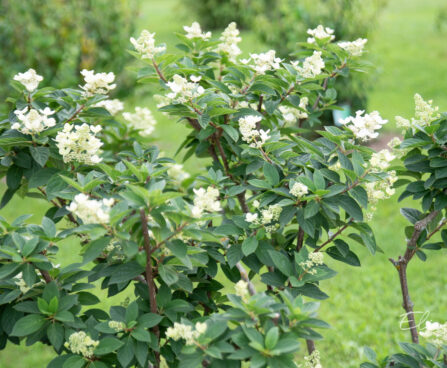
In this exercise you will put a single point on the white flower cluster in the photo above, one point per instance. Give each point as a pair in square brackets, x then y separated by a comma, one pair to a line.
[81, 343]
[250, 134]
[299, 190]
[312, 360]
[79, 143]
[435, 333]
[270, 214]
[379, 190]
[117, 326]
[91, 211]
[195, 31]
[205, 200]
[97, 83]
[291, 114]
[312, 65]
[177, 173]
[320, 33]
[354, 48]
[20, 282]
[145, 45]
[424, 114]
[241, 289]
[313, 259]
[364, 127]
[265, 61]
[142, 120]
[381, 160]
[182, 331]
[229, 40]
[182, 90]
[35, 121]
[112, 106]
[30, 79]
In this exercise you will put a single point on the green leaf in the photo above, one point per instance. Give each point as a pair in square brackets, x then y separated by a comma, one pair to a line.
[149, 320]
[28, 325]
[351, 207]
[271, 339]
[168, 274]
[281, 262]
[126, 272]
[125, 353]
[141, 334]
[74, 361]
[108, 345]
[40, 154]
[249, 245]
[271, 174]
[55, 333]
[232, 132]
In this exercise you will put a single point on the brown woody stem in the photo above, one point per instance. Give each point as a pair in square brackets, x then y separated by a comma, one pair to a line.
[149, 277]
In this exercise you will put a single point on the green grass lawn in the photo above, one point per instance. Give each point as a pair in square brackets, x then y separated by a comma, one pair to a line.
[364, 307]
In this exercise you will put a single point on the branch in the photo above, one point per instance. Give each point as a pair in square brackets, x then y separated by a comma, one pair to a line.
[160, 74]
[331, 238]
[299, 239]
[150, 277]
[46, 276]
[76, 113]
[401, 267]
[244, 276]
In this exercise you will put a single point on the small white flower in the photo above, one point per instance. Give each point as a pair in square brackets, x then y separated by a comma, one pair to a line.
[354, 48]
[435, 333]
[291, 114]
[320, 33]
[312, 361]
[117, 326]
[241, 289]
[381, 160]
[312, 65]
[182, 90]
[270, 214]
[78, 143]
[97, 83]
[265, 61]
[145, 45]
[186, 332]
[251, 217]
[112, 106]
[201, 327]
[205, 200]
[195, 31]
[364, 127]
[256, 203]
[229, 40]
[313, 259]
[299, 190]
[81, 343]
[33, 121]
[91, 211]
[195, 79]
[142, 120]
[176, 172]
[30, 79]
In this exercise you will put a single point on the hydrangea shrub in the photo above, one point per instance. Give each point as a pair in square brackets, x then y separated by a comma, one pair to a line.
[217, 268]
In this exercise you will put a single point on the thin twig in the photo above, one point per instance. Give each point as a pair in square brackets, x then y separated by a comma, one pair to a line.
[160, 74]
[332, 237]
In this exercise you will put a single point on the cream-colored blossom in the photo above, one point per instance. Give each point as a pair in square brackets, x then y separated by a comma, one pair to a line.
[117, 326]
[320, 33]
[364, 126]
[112, 106]
[195, 31]
[30, 79]
[250, 134]
[229, 40]
[91, 211]
[435, 333]
[265, 61]
[205, 200]
[312, 65]
[145, 45]
[81, 343]
[141, 120]
[241, 289]
[177, 172]
[182, 90]
[97, 83]
[312, 360]
[299, 190]
[33, 121]
[313, 259]
[186, 332]
[354, 48]
[78, 143]
[292, 114]
[381, 160]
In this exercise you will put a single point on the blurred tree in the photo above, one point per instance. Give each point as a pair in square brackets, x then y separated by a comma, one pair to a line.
[61, 37]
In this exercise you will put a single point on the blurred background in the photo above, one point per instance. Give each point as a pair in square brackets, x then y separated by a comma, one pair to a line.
[407, 53]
